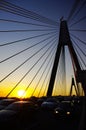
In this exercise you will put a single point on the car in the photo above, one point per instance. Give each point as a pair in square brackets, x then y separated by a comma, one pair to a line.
[16, 114]
[22, 108]
[5, 102]
[41, 100]
[49, 104]
[64, 109]
[8, 119]
[2, 107]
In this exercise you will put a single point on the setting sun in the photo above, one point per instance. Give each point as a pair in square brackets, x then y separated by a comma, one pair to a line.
[21, 93]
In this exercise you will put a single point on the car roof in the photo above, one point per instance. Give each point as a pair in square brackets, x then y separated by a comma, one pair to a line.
[6, 101]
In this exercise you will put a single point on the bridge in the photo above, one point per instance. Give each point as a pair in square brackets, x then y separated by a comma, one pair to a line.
[41, 57]
[46, 58]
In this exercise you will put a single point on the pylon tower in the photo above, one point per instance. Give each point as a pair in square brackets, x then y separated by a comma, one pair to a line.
[64, 40]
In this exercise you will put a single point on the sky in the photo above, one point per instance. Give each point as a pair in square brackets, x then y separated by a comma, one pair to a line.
[51, 9]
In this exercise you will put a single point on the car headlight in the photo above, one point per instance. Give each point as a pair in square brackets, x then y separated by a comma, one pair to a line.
[68, 113]
[56, 112]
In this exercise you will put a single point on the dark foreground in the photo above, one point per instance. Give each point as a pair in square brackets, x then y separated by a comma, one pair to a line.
[44, 117]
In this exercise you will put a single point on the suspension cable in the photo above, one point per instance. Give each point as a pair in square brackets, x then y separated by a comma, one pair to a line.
[25, 62]
[25, 49]
[20, 40]
[79, 48]
[78, 39]
[28, 71]
[43, 73]
[45, 88]
[25, 23]
[39, 69]
[20, 11]
[73, 9]
[33, 30]
[78, 30]
[81, 7]
[81, 19]
[80, 56]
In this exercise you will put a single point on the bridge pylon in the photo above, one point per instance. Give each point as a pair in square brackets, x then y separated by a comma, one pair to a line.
[75, 87]
[64, 40]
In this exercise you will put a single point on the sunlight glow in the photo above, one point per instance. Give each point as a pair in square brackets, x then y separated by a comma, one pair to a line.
[21, 93]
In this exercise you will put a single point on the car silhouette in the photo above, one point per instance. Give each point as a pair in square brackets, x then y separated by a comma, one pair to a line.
[16, 114]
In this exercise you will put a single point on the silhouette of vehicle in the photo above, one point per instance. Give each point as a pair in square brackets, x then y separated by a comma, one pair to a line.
[66, 109]
[5, 102]
[17, 112]
[49, 104]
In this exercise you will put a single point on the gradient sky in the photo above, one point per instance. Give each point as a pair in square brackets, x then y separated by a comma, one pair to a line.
[52, 9]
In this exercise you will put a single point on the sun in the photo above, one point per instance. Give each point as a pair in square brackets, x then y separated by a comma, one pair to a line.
[21, 93]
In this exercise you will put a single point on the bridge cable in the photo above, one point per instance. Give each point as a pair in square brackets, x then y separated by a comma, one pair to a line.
[79, 56]
[14, 9]
[25, 49]
[73, 10]
[43, 74]
[81, 7]
[23, 15]
[29, 70]
[78, 30]
[61, 72]
[5, 31]
[46, 74]
[28, 38]
[39, 69]
[79, 48]
[78, 39]
[25, 23]
[81, 19]
[24, 62]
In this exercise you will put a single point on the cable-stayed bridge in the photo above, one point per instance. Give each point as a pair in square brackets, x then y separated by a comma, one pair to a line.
[41, 56]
